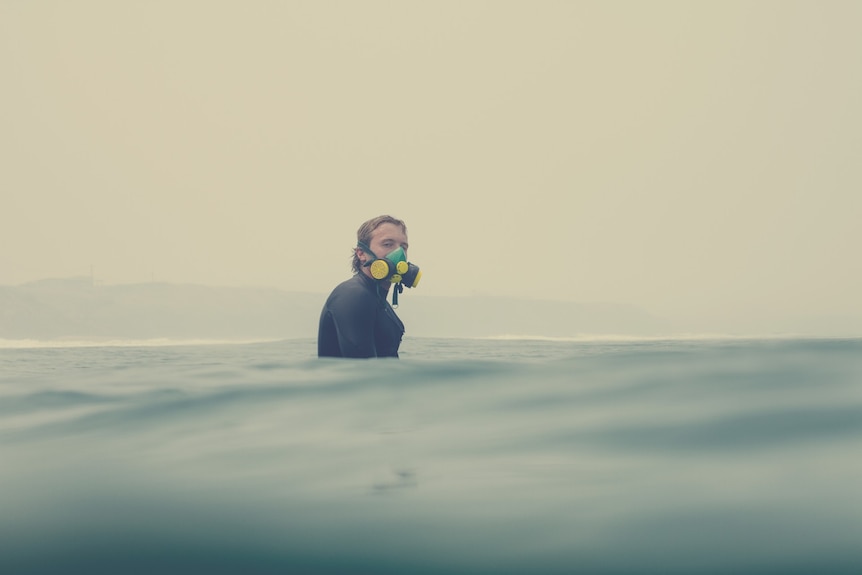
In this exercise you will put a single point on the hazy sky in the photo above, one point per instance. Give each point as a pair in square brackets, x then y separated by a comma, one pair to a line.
[686, 157]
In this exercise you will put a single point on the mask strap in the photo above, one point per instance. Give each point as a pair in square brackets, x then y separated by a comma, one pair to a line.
[367, 249]
[396, 289]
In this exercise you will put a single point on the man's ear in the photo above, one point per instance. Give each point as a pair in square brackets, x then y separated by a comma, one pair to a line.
[363, 257]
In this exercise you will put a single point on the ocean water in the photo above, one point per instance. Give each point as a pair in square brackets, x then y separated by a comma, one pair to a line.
[465, 456]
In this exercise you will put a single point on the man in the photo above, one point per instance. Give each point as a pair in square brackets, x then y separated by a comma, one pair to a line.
[356, 320]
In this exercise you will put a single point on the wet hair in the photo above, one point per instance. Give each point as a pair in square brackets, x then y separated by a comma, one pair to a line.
[363, 234]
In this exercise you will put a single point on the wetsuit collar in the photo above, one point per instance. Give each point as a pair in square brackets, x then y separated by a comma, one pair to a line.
[374, 285]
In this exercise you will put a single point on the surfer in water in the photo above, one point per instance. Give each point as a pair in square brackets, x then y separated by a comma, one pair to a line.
[356, 320]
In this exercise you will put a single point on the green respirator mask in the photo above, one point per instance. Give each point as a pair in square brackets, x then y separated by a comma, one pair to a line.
[393, 267]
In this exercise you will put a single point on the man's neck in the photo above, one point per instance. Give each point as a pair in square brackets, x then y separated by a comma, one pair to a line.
[382, 285]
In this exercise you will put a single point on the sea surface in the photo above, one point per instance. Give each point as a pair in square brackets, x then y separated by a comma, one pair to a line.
[503, 456]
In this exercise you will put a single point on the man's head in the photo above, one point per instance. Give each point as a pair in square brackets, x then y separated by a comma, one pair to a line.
[382, 234]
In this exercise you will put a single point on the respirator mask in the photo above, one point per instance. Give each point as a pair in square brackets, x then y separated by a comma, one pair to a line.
[393, 267]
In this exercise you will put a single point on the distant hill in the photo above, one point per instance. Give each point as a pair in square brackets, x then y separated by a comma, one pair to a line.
[74, 308]
[65, 308]
[484, 316]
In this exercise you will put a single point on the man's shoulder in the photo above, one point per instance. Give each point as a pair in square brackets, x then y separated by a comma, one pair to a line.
[350, 302]
[352, 283]
[355, 287]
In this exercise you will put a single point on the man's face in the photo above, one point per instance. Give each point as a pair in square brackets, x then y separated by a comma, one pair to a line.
[385, 238]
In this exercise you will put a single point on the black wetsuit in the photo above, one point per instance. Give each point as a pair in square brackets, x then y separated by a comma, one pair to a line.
[357, 321]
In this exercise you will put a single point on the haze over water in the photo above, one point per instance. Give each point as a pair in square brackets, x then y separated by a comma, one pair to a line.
[696, 160]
